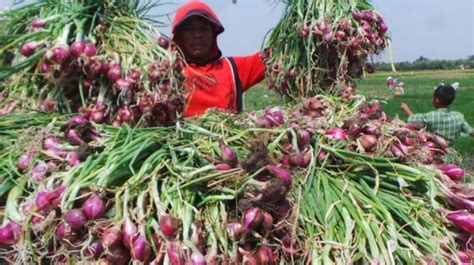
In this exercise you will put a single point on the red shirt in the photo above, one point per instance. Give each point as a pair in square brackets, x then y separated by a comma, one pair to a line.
[213, 86]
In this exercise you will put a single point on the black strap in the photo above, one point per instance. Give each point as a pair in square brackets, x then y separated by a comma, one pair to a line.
[238, 84]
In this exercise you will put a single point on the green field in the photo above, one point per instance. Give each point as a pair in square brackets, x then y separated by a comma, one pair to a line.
[419, 92]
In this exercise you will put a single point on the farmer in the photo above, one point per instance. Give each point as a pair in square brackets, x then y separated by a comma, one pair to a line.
[449, 124]
[211, 80]
[390, 82]
[400, 89]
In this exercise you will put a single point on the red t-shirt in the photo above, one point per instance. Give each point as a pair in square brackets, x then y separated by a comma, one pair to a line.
[213, 86]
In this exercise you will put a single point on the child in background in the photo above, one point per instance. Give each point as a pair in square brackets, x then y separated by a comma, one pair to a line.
[390, 82]
[400, 89]
[447, 123]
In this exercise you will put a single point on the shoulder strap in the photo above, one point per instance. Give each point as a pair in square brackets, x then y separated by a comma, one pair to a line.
[237, 82]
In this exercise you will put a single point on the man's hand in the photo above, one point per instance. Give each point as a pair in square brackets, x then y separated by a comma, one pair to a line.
[406, 109]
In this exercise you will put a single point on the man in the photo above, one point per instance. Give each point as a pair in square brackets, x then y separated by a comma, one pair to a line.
[443, 121]
[211, 81]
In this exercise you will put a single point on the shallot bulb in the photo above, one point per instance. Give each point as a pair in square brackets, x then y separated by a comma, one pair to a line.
[59, 54]
[77, 48]
[114, 73]
[197, 258]
[336, 133]
[303, 138]
[275, 114]
[76, 219]
[10, 234]
[235, 230]
[38, 23]
[140, 249]
[48, 200]
[175, 253]
[90, 50]
[382, 27]
[94, 250]
[25, 160]
[28, 49]
[462, 219]
[112, 237]
[453, 171]
[280, 173]
[252, 218]
[163, 42]
[130, 232]
[228, 155]
[93, 207]
[265, 256]
[169, 225]
[39, 171]
[368, 141]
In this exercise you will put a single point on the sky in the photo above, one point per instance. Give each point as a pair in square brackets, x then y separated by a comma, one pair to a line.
[435, 29]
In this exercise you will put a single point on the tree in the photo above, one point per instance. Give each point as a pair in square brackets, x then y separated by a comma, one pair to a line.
[421, 59]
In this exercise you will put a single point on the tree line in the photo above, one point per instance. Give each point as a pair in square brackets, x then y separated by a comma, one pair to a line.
[423, 63]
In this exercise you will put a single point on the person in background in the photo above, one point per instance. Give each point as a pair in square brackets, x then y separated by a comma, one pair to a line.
[447, 123]
[390, 81]
[400, 89]
[455, 85]
[211, 81]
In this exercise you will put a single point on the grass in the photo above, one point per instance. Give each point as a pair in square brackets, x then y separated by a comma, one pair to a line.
[259, 97]
[418, 95]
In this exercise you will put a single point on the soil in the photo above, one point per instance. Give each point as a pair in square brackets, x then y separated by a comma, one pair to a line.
[257, 158]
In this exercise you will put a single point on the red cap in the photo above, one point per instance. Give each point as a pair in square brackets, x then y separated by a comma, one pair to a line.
[196, 8]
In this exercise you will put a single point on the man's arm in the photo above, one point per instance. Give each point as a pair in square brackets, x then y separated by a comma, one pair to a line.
[251, 69]
[466, 128]
[419, 118]
[406, 109]
[472, 133]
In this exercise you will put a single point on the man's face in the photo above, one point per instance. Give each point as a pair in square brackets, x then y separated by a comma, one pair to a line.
[196, 38]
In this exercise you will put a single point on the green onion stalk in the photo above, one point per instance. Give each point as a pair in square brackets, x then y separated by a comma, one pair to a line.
[366, 214]
[321, 47]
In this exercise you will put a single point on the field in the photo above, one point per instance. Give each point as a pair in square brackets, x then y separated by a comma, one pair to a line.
[419, 92]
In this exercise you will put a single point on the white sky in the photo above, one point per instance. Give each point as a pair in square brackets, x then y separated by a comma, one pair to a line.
[436, 29]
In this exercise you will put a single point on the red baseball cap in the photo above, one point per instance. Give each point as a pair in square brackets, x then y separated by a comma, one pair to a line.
[196, 8]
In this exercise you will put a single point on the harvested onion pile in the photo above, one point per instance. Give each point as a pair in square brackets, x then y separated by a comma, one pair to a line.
[102, 60]
[325, 46]
[332, 180]
[226, 188]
